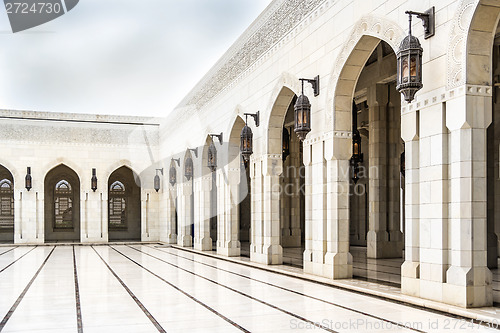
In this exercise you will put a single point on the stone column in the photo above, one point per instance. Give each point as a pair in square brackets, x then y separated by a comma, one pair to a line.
[383, 239]
[338, 259]
[468, 280]
[434, 200]
[265, 247]
[327, 206]
[228, 219]
[184, 191]
[202, 188]
[291, 233]
[394, 151]
[170, 234]
[410, 270]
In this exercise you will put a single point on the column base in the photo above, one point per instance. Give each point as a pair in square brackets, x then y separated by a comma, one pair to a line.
[379, 246]
[170, 239]
[28, 240]
[203, 244]
[338, 265]
[229, 249]
[185, 241]
[271, 254]
[410, 278]
[329, 265]
[468, 287]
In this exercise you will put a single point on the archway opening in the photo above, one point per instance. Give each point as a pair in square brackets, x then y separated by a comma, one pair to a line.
[493, 172]
[6, 206]
[292, 196]
[124, 205]
[376, 212]
[62, 205]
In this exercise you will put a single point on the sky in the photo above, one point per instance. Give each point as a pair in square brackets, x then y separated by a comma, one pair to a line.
[120, 57]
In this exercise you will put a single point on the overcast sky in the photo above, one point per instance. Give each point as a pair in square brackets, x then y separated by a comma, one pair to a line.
[118, 56]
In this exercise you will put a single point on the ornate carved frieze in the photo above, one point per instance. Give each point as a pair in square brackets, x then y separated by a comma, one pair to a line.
[457, 44]
[259, 39]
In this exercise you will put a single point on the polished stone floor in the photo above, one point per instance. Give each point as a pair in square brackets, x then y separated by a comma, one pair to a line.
[153, 288]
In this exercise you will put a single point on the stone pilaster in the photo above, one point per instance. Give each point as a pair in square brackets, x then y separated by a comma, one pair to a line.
[228, 181]
[410, 270]
[468, 280]
[265, 247]
[434, 200]
[384, 240]
[184, 191]
[327, 192]
[202, 188]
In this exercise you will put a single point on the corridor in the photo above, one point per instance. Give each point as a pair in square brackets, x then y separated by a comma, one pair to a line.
[155, 288]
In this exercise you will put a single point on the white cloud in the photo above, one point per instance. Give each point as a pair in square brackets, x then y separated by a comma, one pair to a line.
[118, 56]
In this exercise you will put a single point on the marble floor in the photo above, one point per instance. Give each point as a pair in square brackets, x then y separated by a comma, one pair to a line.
[152, 288]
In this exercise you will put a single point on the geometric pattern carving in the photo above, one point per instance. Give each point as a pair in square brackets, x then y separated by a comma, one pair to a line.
[374, 26]
[261, 37]
[457, 44]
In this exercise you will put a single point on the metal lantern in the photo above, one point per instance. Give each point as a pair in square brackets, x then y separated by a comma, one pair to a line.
[157, 181]
[188, 168]
[302, 116]
[246, 142]
[285, 149]
[212, 157]
[172, 174]
[28, 180]
[303, 109]
[357, 155]
[409, 57]
[246, 137]
[93, 180]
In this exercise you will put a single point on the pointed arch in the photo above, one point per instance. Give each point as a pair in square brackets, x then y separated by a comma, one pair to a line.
[469, 50]
[62, 204]
[124, 205]
[364, 37]
[6, 205]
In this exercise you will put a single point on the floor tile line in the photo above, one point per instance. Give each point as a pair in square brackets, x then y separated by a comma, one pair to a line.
[23, 293]
[136, 300]
[12, 263]
[186, 294]
[315, 324]
[77, 296]
[9, 250]
[286, 289]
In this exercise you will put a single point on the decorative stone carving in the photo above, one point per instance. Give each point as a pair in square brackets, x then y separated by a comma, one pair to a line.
[260, 38]
[374, 26]
[456, 55]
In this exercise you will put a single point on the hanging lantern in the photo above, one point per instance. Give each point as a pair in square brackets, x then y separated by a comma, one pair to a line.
[212, 157]
[156, 180]
[246, 142]
[188, 168]
[409, 57]
[28, 180]
[93, 180]
[303, 109]
[302, 116]
[172, 174]
[246, 137]
[285, 150]
[357, 155]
